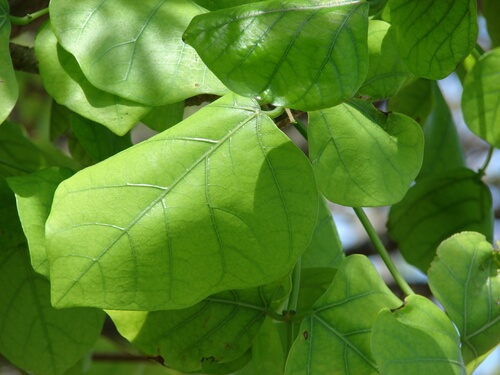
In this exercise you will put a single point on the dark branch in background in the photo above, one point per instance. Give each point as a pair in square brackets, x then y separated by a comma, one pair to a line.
[118, 357]
[23, 58]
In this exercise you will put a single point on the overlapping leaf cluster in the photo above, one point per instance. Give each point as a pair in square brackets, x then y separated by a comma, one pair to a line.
[211, 245]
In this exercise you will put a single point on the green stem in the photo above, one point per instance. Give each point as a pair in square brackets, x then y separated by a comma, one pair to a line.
[300, 126]
[294, 295]
[273, 113]
[482, 170]
[29, 17]
[379, 246]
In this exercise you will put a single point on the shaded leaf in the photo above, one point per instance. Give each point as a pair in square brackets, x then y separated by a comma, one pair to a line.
[491, 10]
[59, 120]
[222, 200]
[272, 60]
[11, 233]
[325, 248]
[416, 339]
[164, 117]
[464, 277]
[363, 157]
[331, 341]
[436, 208]
[34, 194]
[481, 96]
[443, 150]
[221, 4]
[34, 335]
[134, 49]
[415, 100]
[9, 89]
[387, 73]
[314, 282]
[218, 330]
[64, 81]
[434, 36]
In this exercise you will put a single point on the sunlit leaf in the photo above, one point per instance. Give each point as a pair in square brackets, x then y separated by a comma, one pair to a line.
[281, 51]
[223, 200]
[64, 81]
[34, 335]
[436, 208]
[387, 73]
[464, 277]
[325, 248]
[415, 100]
[481, 97]
[434, 36]
[335, 337]
[34, 195]
[416, 339]
[363, 157]
[443, 150]
[9, 89]
[218, 330]
[134, 48]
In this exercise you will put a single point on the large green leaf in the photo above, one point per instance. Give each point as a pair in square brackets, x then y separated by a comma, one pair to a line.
[283, 51]
[34, 335]
[34, 194]
[134, 48]
[335, 337]
[223, 200]
[481, 97]
[218, 330]
[363, 157]
[434, 36]
[9, 89]
[436, 208]
[64, 81]
[464, 277]
[416, 339]
[443, 149]
[325, 248]
[387, 73]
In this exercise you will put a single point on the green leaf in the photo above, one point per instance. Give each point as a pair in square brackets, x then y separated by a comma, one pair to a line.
[64, 81]
[325, 248]
[363, 157]
[59, 120]
[34, 194]
[464, 277]
[416, 339]
[164, 117]
[9, 89]
[491, 10]
[221, 4]
[443, 150]
[415, 100]
[134, 48]
[11, 232]
[218, 330]
[223, 200]
[97, 141]
[34, 335]
[335, 337]
[434, 36]
[481, 96]
[436, 208]
[285, 55]
[387, 73]
[314, 282]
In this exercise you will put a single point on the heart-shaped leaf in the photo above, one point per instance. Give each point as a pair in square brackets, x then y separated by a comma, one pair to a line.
[436, 208]
[134, 48]
[363, 157]
[416, 339]
[481, 97]
[282, 51]
[464, 277]
[223, 200]
[218, 330]
[434, 36]
[9, 89]
[64, 81]
[336, 332]
[34, 335]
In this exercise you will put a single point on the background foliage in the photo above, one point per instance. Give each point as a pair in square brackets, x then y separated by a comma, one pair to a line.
[210, 247]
